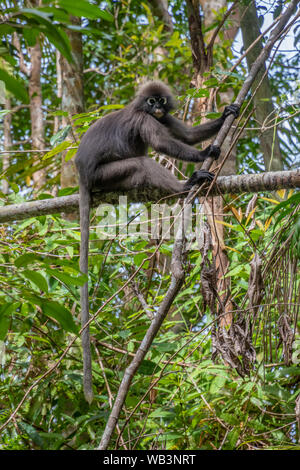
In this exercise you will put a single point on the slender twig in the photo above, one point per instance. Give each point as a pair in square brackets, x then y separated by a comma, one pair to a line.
[220, 25]
[142, 300]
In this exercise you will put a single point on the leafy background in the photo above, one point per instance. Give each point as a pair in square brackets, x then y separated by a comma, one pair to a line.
[180, 398]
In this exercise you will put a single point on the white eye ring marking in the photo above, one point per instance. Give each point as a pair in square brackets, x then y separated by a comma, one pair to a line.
[163, 100]
[151, 101]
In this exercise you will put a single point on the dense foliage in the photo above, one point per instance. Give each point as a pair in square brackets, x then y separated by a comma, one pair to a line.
[181, 398]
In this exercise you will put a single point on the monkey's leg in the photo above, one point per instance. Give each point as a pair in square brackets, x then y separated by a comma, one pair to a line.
[139, 172]
[144, 172]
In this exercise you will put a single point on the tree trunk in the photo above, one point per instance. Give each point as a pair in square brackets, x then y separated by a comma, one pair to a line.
[160, 9]
[7, 144]
[36, 113]
[58, 88]
[72, 96]
[262, 97]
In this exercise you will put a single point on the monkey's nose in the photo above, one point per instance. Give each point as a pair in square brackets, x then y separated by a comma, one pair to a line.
[158, 113]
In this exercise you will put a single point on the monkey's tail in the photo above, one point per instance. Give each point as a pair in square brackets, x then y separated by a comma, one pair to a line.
[84, 291]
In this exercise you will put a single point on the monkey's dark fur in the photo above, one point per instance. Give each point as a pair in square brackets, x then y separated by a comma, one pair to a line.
[112, 157]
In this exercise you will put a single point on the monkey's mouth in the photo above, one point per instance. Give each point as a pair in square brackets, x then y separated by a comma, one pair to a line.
[158, 113]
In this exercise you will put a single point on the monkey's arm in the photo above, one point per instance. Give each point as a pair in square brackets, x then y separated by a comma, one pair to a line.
[159, 138]
[193, 135]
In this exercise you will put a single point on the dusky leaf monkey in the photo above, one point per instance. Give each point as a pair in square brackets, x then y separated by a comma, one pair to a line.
[112, 157]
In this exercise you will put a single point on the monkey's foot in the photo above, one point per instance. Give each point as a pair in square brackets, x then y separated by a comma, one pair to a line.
[199, 177]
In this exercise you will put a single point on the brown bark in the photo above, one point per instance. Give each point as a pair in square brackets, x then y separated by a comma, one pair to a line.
[35, 95]
[7, 144]
[160, 9]
[58, 88]
[36, 113]
[262, 96]
[202, 58]
[72, 96]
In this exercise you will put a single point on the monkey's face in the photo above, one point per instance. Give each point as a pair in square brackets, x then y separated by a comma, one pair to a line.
[157, 106]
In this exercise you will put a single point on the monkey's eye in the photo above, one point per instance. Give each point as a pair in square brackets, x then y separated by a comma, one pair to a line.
[151, 101]
[163, 100]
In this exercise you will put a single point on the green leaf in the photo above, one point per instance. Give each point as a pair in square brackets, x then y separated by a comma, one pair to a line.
[257, 402]
[213, 115]
[229, 418]
[162, 413]
[202, 92]
[54, 33]
[211, 82]
[232, 438]
[70, 154]
[169, 436]
[84, 8]
[5, 313]
[174, 41]
[25, 224]
[294, 199]
[4, 324]
[148, 367]
[36, 13]
[277, 10]
[67, 279]
[6, 29]
[237, 270]
[60, 113]
[139, 258]
[30, 35]
[60, 148]
[67, 192]
[56, 438]
[37, 279]
[60, 136]
[32, 433]
[3, 112]
[61, 314]
[124, 334]
[60, 40]
[217, 383]
[110, 106]
[165, 347]
[26, 259]
[16, 87]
